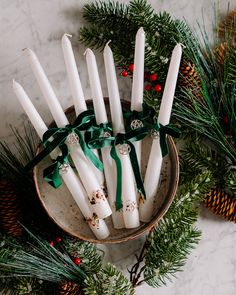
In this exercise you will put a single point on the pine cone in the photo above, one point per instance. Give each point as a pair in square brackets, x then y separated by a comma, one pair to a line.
[221, 203]
[10, 209]
[227, 28]
[69, 288]
[220, 52]
[189, 79]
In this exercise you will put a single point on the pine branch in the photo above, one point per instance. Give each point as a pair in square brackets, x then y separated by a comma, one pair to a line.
[87, 252]
[100, 12]
[108, 281]
[197, 157]
[37, 259]
[175, 236]
[13, 159]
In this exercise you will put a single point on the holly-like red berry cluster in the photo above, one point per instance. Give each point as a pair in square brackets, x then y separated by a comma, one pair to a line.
[56, 243]
[150, 79]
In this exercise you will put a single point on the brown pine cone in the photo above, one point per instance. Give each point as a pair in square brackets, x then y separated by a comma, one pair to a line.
[189, 79]
[10, 208]
[221, 203]
[69, 288]
[220, 52]
[227, 27]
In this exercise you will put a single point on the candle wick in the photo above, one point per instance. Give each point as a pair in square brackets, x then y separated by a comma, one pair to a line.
[182, 45]
[108, 42]
[68, 35]
[87, 51]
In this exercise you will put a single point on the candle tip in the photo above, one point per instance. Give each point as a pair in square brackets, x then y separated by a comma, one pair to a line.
[88, 51]
[15, 84]
[107, 47]
[140, 31]
[29, 51]
[178, 48]
[65, 36]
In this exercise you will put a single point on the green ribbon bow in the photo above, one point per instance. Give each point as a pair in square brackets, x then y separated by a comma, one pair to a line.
[149, 120]
[163, 131]
[95, 139]
[146, 115]
[83, 122]
[52, 173]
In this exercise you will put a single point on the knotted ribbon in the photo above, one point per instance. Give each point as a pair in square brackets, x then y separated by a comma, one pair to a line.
[95, 139]
[83, 122]
[149, 120]
[52, 173]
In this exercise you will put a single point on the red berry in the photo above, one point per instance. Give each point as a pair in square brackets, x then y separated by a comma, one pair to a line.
[77, 260]
[51, 243]
[124, 73]
[58, 239]
[225, 120]
[158, 88]
[148, 87]
[153, 77]
[131, 67]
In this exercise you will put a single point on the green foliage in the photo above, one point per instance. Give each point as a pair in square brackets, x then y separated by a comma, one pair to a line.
[108, 281]
[197, 157]
[14, 157]
[212, 112]
[161, 32]
[87, 252]
[175, 236]
[36, 258]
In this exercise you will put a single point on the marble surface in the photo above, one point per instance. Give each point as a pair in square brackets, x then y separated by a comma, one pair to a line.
[39, 24]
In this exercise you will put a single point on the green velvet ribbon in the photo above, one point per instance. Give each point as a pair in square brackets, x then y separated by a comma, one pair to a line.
[52, 173]
[95, 139]
[149, 120]
[163, 131]
[83, 122]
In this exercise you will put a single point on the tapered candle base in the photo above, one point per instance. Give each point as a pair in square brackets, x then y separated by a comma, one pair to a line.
[98, 227]
[117, 219]
[146, 209]
[131, 214]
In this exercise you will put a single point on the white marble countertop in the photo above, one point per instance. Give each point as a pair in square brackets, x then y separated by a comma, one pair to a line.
[40, 24]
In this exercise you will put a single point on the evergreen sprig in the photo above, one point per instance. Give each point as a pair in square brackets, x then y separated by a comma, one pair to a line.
[37, 258]
[87, 252]
[175, 236]
[212, 112]
[197, 157]
[108, 281]
[14, 157]
[161, 32]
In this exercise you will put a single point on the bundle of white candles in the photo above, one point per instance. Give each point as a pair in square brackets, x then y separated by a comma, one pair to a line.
[86, 188]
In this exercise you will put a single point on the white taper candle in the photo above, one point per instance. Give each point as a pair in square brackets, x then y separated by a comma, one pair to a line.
[71, 180]
[153, 171]
[89, 180]
[118, 126]
[130, 210]
[101, 117]
[138, 81]
[77, 91]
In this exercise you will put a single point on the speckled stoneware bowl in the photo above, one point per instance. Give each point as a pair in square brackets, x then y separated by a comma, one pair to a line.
[61, 207]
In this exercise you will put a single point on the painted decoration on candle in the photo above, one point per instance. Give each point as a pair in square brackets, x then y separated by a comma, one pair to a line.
[72, 138]
[64, 168]
[131, 206]
[98, 197]
[93, 221]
